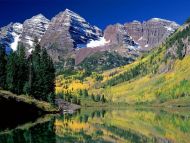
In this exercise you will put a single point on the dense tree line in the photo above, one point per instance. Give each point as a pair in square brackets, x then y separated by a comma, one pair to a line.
[3, 62]
[69, 97]
[187, 21]
[96, 98]
[177, 39]
[31, 75]
[104, 61]
[140, 69]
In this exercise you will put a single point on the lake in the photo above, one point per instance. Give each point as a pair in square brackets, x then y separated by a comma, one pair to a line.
[104, 126]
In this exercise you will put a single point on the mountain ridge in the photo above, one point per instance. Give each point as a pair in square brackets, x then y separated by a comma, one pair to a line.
[159, 78]
[68, 35]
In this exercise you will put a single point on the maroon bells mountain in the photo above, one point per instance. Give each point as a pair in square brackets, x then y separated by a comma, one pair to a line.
[151, 33]
[68, 35]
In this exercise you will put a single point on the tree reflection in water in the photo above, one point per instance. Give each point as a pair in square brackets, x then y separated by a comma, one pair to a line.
[104, 125]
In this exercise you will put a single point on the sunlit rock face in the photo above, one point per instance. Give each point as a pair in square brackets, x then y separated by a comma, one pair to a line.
[117, 34]
[34, 28]
[10, 35]
[68, 35]
[151, 33]
[68, 31]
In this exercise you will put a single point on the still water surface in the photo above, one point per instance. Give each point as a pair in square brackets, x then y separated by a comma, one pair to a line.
[104, 126]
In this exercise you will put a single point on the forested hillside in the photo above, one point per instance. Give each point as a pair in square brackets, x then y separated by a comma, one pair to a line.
[32, 75]
[160, 76]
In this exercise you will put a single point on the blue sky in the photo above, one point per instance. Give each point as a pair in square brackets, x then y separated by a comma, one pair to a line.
[97, 12]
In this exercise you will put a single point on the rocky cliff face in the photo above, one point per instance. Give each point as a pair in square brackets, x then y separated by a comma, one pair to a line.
[34, 28]
[117, 35]
[115, 40]
[68, 35]
[10, 35]
[150, 33]
[68, 31]
[178, 46]
[120, 41]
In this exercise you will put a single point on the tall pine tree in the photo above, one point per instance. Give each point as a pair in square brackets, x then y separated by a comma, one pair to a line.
[41, 74]
[22, 72]
[3, 62]
[48, 76]
[34, 75]
[12, 67]
[35, 81]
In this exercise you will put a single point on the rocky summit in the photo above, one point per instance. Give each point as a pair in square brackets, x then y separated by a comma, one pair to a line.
[68, 31]
[34, 28]
[9, 35]
[151, 33]
[68, 35]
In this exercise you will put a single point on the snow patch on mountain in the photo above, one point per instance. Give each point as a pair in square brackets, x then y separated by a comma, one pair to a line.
[30, 41]
[97, 43]
[159, 19]
[169, 28]
[141, 38]
[16, 38]
[135, 48]
[34, 27]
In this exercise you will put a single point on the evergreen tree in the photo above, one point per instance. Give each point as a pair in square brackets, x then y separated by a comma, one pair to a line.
[85, 93]
[93, 97]
[103, 99]
[80, 92]
[48, 74]
[3, 62]
[11, 76]
[35, 83]
[22, 72]
[41, 74]
[34, 76]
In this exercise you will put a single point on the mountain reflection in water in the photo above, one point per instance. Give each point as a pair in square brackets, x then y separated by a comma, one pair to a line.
[105, 125]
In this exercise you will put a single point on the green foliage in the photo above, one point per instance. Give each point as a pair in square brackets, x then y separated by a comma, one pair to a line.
[140, 69]
[177, 38]
[3, 62]
[85, 93]
[41, 74]
[33, 76]
[104, 61]
[12, 66]
[97, 76]
[187, 21]
[69, 97]
[98, 98]
[180, 48]
[65, 66]
[22, 69]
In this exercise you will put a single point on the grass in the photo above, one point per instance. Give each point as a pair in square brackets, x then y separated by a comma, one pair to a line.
[44, 106]
[173, 85]
[155, 88]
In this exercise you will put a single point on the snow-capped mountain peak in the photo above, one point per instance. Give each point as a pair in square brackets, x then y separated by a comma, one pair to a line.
[17, 27]
[151, 33]
[73, 14]
[69, 30]
[34, 27]
[10, 35]
[164, 20]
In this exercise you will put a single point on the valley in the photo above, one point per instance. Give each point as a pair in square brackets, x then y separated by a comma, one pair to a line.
[67, 80]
